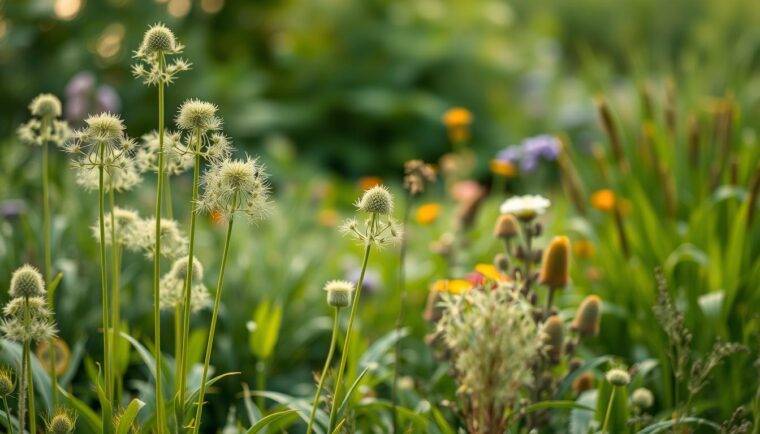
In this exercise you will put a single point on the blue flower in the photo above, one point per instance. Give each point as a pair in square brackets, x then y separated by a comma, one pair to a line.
[531, 151]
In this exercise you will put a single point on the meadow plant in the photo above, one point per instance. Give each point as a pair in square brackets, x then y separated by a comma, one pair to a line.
[62, 422]
[7, 387]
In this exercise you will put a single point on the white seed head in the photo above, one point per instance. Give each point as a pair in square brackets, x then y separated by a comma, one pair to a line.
[173, 241]
[45, 105]
[179, 269]
[119, 176]
[198, 116]
[236, 186]
[618, 377]
[158, 39]
[339, 293]
[104, 128]
[377, 200]
[172, 286]
[27, 282]
[642, 398]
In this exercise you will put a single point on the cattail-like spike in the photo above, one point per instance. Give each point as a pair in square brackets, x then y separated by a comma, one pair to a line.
[752, 195]
[588, 316]
[571, 182]
[610, 128]
[694, 139]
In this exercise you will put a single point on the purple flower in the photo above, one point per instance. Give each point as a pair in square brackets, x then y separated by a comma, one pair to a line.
[83, 97]
[531, 151]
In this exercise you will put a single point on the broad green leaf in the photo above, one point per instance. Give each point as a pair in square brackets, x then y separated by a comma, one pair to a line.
[129, 415]
[266, 420]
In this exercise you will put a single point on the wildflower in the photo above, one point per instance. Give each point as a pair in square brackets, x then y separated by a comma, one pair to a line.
[554, 333]
[531, 151]
[588, 316]
[618, 377]
[339, 293]
[44, 126]
[427, 213]
[175, 161]
[457, 121]
[584, 249]
[127, 230]
[198, 116]
[27, 282]
[555, 270]
[642, 398]
[62, 355]
[583, 382]
[63, 422]
[173, 241]
[236, 186]
[101, 143]
[172, 286]
[376, 200]
[490, 272]
[453, 286]
[603, 200]
[416, 174]
[378, 229]
[7, 385]
[123, 176]
[506, 227]
[367, 182]
[158, 42]
[502, 168]
[525, 208]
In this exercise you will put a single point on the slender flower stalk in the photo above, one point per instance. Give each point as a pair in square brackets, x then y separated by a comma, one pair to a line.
[7, 387]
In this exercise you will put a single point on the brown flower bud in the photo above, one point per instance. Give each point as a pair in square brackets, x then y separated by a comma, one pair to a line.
[506, 226]
[554, 334]
[588, 316]
[555, 269]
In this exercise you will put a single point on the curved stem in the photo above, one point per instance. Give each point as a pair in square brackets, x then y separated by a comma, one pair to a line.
[182, 373]
[212, 330]
[160, 421]
[328, 361]
[8, 415]
[103, 273]
[347, 341]
[609, 410]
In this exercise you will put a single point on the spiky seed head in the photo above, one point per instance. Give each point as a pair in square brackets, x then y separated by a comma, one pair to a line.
[7, 385]
[27, 282]
[618, 377]
[554, 335]
[588, 316]
[506, 227]
[62, 423]
[104, 127]
[45, 105]
[642, 398]
[339, 293]
[555, 270]
[583, 382]
[179, 269]
[197, 115]
[158, 38]
[501, 262]
[377, 200]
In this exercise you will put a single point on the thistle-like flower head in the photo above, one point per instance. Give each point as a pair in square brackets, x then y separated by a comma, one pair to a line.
[588, 316]
[173, 241]
[27, 282]
[376, 200]
[179, 269]
[642, 398]
[158, 40]
[198, 116]
[158, 43]
[121, 175]
[62, 422]
[104, 128]
[102, 142]
[172, 286]
[44, 126]
[7, 384]
[127, 230]
[45, 105]
[237, 186]
[339, 293]
[618, 377]
[175, 161]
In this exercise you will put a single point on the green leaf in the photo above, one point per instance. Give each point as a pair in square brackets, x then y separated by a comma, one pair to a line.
[129, 415]
[266, 420]
[339, 426]
[381, 346]
[194, 393]
[666, 424]
[350, 390]
[563, 405]
[10, 354]
[441, 421]
[54, 285]
[268, 319]
[303, 408]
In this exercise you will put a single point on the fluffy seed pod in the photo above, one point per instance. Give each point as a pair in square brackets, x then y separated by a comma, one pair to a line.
[45, 105]
[618, 377]
[506, 227]
[62, 423]
[104, 127]
[588, 316]
[7, 386]
[179, 269]
[554, 334]
[27, 282]
[642, 398]
[197, 115]
[157, 39]
[583, 382]
[339, 293]
[376, 200]
[555, 271]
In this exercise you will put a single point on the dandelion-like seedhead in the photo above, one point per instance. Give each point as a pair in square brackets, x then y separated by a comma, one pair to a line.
[44, 126]
[127, 229]
[62, 422]
[102, 142]
[618, 377]
[173, 241]
[198, 117]
[236, 186]
[339, 293]
[7, 384]
[642, 398]
[376, 200]
[27, 282]
[175, 160]
[172, 286]
[120, 176]
[158, 42]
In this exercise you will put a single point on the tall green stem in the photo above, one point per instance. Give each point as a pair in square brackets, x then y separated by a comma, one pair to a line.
[7, 415]
[609, 410]
[27, 362]
[160, 420]
[46, 220]
[354, 308]
[103, 274]
[212, 330]
[115, 290]
[328, 361]
[400, 320]
[182, 373]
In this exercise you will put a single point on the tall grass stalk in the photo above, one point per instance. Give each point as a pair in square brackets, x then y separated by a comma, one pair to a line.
[7, 414]
[323, 375]
[26, 369]
[402, 302]
[103, 277]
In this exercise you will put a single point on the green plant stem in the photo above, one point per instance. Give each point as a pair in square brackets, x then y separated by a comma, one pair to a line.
[160, 420]
[103, 273]
[212, 330]
[46, 221]
[400, 319]
[27, 362]
[182, 373]
[609, 410]
[115, 290]
[8, 415]
[169, 207]
[261, 383]
[328, 361]
[354, 308]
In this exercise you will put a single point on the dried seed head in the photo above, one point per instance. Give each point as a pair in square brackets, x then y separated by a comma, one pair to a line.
[583, 382]
[104, 127]
[7, 385]
[232, 186]
[555, 269]
[588, 316]
[199, 116]
[179, 269]
[63, 422]
[45, 105]
[27, 282]
[554, 335]
[618, 377]
[339, 293]
[506, 227]
[642, 398]
[376, 200]
[158, 39]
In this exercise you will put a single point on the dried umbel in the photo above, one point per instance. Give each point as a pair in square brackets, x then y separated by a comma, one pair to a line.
[555, 269]
[152, 66]
[506, 227]
[339, 293]
[173, 241]
[27, 282]
[588, 316]
[101, 142]
[127, 230]
[121, 176]
[175, 161]
[198, 116]
[7, 385]
[62, 422]
[416, 174]
[233, 186]
[44, 126]
[618, 377]
[379, 229]
[27, 319]
[173, 284]
[554, 335]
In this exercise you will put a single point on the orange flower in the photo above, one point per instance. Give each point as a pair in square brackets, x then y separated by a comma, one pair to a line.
[328, 217]
[503, 168]
[453, 286]
[427, 213]
[603, 200]
[457, 117]
[583, 249]
[490, 272]
[367, 182]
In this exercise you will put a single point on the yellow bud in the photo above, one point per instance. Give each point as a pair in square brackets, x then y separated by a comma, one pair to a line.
[555, 271]
[506, 226]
